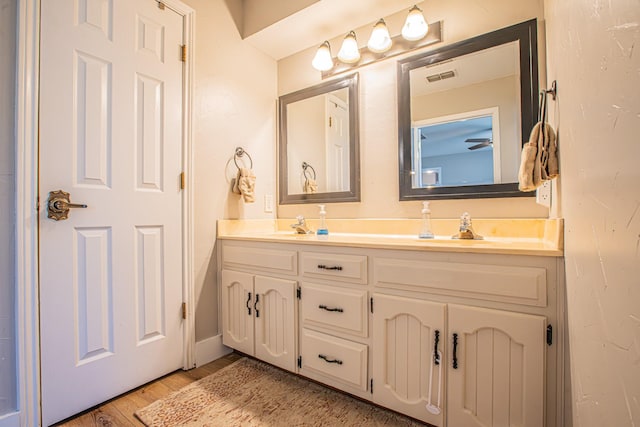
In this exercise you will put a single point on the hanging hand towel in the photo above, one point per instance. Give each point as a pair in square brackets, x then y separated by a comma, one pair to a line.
[527, 180]
[310, 186]
[246, 182]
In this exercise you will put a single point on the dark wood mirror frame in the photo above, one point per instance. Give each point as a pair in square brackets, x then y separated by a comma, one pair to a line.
[526, 34]
[353, 194]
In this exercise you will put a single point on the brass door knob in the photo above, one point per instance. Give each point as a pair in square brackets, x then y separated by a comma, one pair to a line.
[59, 204]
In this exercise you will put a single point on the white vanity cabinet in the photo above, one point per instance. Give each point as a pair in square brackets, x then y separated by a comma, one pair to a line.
[379, 323]
[258, 310]
[258, 317]
[494, 363]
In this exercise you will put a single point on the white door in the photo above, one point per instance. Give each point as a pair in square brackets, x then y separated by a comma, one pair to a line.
[337, 142]
[111, 136]
[406, 335]
[275, 321]
[498, 379]
[237, 310]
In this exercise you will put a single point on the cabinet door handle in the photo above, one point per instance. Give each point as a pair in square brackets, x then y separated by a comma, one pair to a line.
[326, 359]
[455, 351]
[324, 307]
[255, 305]
[436, 340]
[247, 305]
[326, 267]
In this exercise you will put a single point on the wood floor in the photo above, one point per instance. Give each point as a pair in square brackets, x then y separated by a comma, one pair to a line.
[119, 411]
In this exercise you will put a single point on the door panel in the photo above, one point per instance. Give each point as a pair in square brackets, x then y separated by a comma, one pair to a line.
[111, 136]
[237, 310]
[403, 361]
[275, 321]
[500, 376]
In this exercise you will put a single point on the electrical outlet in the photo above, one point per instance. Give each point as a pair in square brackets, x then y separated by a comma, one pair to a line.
[268, 203]
[543, 194]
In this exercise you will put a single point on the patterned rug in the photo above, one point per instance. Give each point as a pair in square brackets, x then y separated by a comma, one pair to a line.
[250, 393]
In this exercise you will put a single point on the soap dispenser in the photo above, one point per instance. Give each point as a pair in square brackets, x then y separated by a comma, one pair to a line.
[323, 231]
[425, 231]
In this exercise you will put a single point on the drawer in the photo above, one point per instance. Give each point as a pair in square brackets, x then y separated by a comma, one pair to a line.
[347, 268]
[341, 360]
[502, 283]
[334, 308]
[278, 260]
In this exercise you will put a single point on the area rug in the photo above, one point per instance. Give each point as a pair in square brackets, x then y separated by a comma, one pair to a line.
[249, 393]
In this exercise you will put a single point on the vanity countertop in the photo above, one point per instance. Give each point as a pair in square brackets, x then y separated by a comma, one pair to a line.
[538, 237]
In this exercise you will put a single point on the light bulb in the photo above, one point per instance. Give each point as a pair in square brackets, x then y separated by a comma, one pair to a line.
[349, 52]
[380, 41]
[415, 27]
[323, 60]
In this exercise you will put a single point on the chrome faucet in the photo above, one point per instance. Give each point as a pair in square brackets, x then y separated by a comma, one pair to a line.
[301, 226]
[466, 229]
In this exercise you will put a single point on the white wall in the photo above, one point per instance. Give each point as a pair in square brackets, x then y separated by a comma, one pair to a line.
[378, 113]
[235, 105]
[7, 206]
[594, 55]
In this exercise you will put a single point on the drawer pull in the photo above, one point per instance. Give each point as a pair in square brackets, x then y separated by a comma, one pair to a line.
[248, 307]
[326, 359]
[325, 267]
[455, 351]
[324, 307]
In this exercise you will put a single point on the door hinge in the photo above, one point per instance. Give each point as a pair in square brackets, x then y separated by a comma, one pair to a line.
[184, 310]
[549, 334]
[330, 121]
[300, 362]
[298, 292]
[184, 53]
[161, 5]
[182, 184]
[371, 386]
[371, 304]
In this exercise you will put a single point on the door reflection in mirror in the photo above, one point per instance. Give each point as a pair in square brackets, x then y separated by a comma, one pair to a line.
[457, 150]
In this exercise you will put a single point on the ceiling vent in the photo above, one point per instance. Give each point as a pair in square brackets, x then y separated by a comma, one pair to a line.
[441, 76]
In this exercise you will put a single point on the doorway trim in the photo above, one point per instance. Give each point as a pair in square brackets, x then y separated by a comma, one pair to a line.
[27, 203]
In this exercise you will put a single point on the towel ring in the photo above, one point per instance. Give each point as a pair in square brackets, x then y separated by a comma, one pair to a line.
[306, 166]
[239, 153]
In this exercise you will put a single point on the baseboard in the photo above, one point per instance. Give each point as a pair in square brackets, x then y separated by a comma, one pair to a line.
[209, 350]
[10, 420]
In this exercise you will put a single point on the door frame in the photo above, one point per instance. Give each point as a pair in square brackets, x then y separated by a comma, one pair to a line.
[27, 203]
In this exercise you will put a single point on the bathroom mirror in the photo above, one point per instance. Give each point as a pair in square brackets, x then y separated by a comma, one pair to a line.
[318, 150]
[464, 112]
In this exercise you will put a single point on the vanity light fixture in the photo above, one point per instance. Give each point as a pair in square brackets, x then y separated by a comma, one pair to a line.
[349, 51]
[415, 34]
[323, 60]
[380, 40]
[415, 27]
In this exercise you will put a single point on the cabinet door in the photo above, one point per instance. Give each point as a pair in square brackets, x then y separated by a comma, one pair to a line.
[237, 310]
[499, 378]
[275, 321]
[403, 356]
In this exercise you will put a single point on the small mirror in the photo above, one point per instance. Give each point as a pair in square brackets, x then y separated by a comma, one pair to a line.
[319, 156]
[464, 112]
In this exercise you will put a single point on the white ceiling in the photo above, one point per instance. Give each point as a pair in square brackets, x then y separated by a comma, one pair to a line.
[321, 21]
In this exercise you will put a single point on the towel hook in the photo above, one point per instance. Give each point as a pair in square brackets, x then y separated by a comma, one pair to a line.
[239, 153]
[306, 166]
[553, 91]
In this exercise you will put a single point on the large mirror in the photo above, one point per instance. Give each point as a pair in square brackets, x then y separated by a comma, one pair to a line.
[464, 112]
[318, 151]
